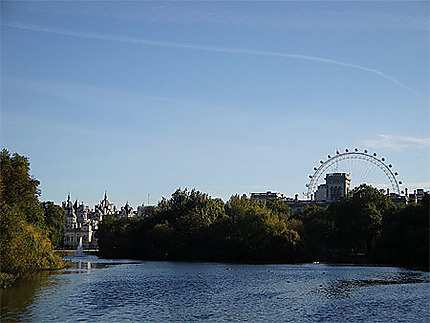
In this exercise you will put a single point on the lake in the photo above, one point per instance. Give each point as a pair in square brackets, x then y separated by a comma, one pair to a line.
[100, 290]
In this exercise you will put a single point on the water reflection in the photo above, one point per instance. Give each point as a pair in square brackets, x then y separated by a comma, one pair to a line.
[80, 267]
[84, 264]
[101, 290]
[16, 299]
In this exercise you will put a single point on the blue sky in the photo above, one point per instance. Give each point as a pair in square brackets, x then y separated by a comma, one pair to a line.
[138, 98]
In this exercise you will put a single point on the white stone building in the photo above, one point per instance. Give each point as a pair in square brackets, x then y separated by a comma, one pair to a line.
[337, 185]
[81, 221]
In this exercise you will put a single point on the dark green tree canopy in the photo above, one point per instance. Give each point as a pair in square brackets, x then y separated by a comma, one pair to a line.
[18, 189]
[55, 220]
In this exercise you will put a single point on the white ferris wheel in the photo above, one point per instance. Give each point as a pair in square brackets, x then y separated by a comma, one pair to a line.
[363, 168]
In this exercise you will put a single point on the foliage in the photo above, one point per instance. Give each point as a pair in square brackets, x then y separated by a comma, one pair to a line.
[18, 189]
[278, 207]
[315, 228]
[25, 246]
[6, 279]
[358, 220]
[405, 236]
[257, 233]
[55, 220]
[193, 226]
[367, 225]
[116, 237]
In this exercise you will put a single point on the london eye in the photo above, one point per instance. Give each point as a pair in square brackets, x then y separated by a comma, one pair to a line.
[363, 168]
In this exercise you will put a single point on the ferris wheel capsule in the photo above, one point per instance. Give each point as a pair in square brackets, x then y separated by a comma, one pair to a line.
[315, 168]
[365, 151]
[400, 182]
[356, 149]
[374, 154]
[383, 159]
[328, 156]
[346, 150]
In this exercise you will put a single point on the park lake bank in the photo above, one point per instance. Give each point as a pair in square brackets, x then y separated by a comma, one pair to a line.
[95, 289]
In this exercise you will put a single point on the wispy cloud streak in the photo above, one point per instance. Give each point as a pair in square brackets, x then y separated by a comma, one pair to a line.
[397, 142]
[240, 51]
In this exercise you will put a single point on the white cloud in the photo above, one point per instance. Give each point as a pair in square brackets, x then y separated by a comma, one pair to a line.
[397, 142]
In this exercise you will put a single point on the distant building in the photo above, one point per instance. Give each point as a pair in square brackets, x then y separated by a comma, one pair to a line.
[104, 208]
[268, 196]
[141, 210]
[82, 222]
[321, 193]
[420, 194]
[415, 197]
[79, 224]
[126, 211]
[145, 211]
[337, 185]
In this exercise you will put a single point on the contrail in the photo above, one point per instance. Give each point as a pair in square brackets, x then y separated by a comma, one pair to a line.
[241, 51]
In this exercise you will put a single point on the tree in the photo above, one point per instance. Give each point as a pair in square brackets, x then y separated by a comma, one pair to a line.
[279, 208]
[315, 231]
[257, 233]
[405, 236]
[55, 220]
[18, 189]
[357, 221]
[24, 243]
[193, 226]
[118, 238]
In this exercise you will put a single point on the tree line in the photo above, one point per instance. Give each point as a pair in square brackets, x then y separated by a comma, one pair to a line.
[364, 228]
[30, 229]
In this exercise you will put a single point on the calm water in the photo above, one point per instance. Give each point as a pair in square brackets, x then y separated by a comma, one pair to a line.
[111, 291]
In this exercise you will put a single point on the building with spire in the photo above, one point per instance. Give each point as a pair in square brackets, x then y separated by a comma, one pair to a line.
[82, 222]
